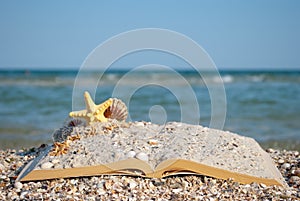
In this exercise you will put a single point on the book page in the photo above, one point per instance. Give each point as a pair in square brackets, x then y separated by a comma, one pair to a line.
[104, 144]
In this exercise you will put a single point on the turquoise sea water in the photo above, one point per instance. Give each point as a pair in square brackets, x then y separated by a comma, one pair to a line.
[262, 105]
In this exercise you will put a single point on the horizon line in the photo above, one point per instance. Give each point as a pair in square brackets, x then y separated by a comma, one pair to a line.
[120, 70]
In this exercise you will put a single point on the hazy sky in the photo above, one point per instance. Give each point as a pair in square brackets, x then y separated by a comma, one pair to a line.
[236, 34]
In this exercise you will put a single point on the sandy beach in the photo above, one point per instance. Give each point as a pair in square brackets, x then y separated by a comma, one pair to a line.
[137, 188]
[183, 187]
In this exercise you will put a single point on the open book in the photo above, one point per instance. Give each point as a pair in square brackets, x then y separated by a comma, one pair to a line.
[151, 150]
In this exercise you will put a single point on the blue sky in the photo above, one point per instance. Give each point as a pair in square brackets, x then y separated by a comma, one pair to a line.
[236, 34]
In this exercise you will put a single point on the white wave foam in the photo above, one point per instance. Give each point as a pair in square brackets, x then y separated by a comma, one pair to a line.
[257, 78]
[227, 78]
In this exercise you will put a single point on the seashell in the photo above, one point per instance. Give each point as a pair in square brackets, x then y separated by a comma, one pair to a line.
[141, 124]
[118, 187]
[62, 134]
[108, 185]
[297, 173]
[55, 161]
[131, 154]
[176, 190]
[117, 110]
[47, 165]
[153, 142]
[142, 156]
[132, 184]
[286, 166]
[18, 185]
[280, 161]
[73, 122]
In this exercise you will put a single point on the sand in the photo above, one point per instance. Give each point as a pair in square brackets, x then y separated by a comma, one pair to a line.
[105, 143]
[137, 188]
[180, 187]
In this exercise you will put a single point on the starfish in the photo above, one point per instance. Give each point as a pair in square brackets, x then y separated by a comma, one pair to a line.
[92, 113]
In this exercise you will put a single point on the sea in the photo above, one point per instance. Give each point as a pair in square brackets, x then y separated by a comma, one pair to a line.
[264, 105]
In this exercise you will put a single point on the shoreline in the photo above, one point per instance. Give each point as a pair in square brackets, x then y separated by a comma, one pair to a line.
[174, 187]
[287, 144]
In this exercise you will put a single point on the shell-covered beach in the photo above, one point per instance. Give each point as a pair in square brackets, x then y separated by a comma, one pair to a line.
[138, 188]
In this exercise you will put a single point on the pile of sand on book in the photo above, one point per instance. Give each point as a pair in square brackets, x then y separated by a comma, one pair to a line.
[152, 150]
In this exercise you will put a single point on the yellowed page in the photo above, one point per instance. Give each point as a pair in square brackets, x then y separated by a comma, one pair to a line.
[128, 167]
[175, 166]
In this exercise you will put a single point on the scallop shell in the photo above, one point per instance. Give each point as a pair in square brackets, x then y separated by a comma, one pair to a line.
[117, 110]
[73, 122]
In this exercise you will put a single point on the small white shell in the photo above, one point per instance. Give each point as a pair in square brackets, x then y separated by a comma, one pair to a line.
[47, 165]
[117, 110]
[55, 161]
[141, 124]
[132, 184]
[131, 154]
[18, 185]
[142, 156]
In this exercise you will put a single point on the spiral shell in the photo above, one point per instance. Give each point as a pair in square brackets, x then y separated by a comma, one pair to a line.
[117, 110]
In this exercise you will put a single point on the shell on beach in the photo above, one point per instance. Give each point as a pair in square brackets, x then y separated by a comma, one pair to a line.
[117, 110]
[62, 134]
[73, 122]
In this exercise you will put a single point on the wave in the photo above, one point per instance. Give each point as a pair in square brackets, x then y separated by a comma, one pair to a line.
[127, 78]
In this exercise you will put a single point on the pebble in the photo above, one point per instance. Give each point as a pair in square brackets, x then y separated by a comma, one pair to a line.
[280, 161]
[47, 165]
[297, 173]
[263, 185]
[152, 142]
[132, 184]
[142, 156]
[3, 177]
[23, 195]
[73, 181]
[288, 193]
[131, 154]
[55, 161]
[294, 179]
[118, 186]
[140, 124]
[286, 166]
[244, 191]
[2, 167]
[18, 185]
[81, 187]
[176, 190]
[101, 192]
